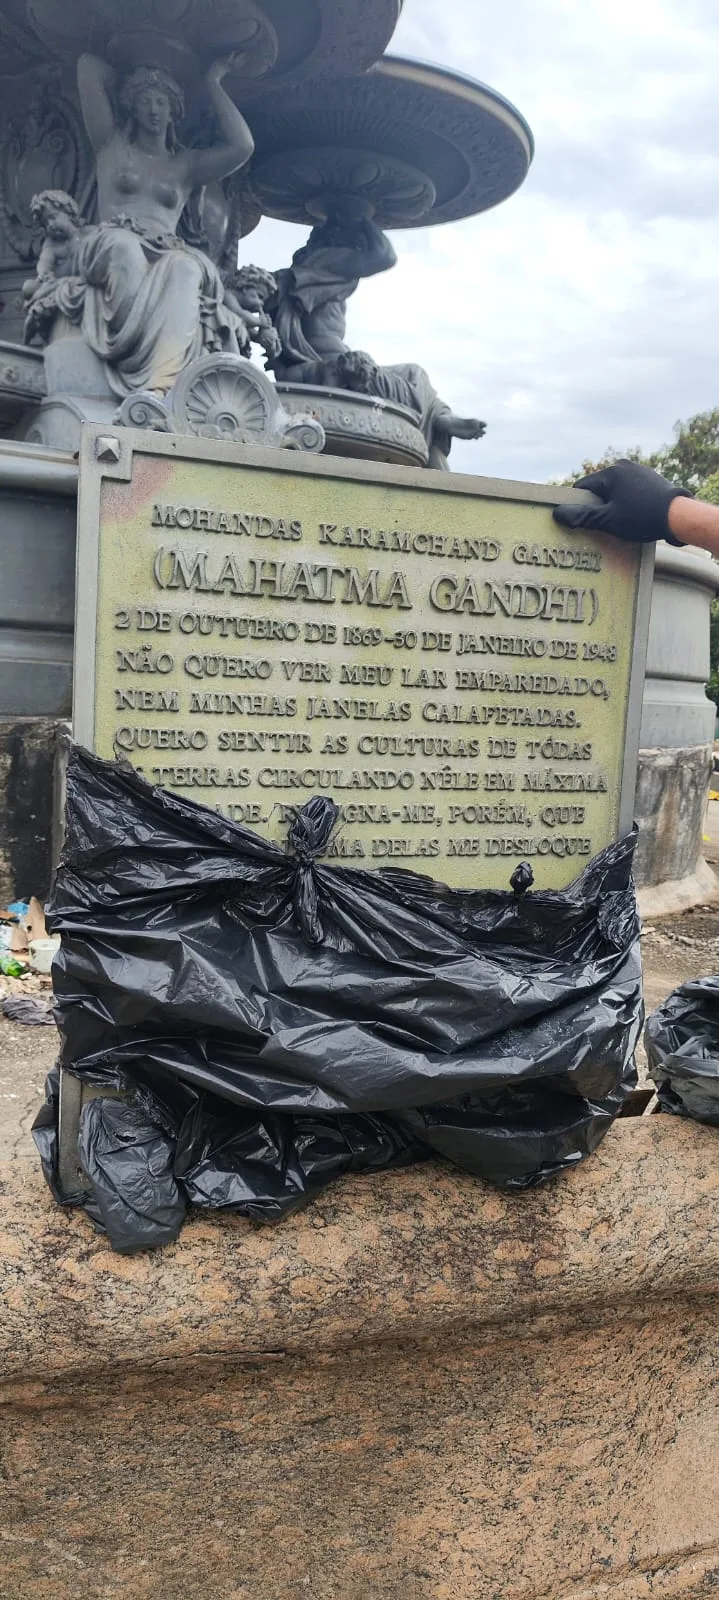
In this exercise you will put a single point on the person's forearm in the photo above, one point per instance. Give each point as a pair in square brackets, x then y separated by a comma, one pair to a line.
[695, 522]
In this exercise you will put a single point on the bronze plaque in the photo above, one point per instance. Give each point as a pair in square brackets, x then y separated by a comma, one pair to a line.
[462, 676]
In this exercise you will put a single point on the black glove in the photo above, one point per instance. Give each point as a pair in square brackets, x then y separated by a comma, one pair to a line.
[636, 504]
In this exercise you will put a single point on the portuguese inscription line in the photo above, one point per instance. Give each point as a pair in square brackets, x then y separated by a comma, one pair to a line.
[264, 629]
[231, 704]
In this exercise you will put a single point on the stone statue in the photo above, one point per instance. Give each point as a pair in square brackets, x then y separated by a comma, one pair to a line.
[310, 315]
[248, 290]
[310, 312]
[409, 385]
[147, 303]
[56, 290]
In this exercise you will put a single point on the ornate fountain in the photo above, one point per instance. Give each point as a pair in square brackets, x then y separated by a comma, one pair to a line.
[135, 161]
[141, 144]
[140, 147]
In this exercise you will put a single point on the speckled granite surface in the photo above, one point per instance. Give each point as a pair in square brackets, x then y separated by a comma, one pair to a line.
[419, 1390]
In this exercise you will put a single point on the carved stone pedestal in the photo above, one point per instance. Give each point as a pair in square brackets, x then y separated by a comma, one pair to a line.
[22, 383]
[223, 397]
[77, 392]
[358, 425]
[216, 397]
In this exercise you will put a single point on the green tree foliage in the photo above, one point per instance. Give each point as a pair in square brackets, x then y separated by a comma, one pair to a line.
[692, 462]
[709, 490]
[608, 460]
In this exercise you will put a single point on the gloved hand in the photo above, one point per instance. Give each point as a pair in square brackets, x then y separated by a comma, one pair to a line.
[636, 504]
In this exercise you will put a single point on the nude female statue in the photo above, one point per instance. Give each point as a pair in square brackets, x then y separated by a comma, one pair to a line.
[152, 303]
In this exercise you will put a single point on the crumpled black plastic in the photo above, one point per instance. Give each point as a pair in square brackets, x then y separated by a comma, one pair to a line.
[278, 1022]
[32, 1012]
[682, 1042]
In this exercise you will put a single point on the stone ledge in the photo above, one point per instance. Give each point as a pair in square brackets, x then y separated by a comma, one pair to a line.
[421, 1254]
[416, 1390]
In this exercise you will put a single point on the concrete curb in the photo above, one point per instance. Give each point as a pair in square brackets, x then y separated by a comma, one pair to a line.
[681, 894]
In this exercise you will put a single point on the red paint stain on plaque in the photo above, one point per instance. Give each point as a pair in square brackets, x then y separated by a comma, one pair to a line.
[121, 501]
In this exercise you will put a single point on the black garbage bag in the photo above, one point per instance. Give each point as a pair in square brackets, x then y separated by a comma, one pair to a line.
[45, 1131]
[279, 1022]
[682, 1042]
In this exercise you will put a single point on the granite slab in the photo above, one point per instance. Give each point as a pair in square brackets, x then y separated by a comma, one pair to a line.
[417, 1390]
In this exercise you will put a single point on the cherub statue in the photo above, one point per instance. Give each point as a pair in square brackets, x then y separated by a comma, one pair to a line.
[56, 288]
[247, 292]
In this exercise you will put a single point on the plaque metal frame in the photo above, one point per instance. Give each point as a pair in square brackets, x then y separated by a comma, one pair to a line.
[109, 454]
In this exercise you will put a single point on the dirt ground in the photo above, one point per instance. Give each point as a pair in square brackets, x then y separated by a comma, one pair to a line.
[675, 950]
[26, 1056]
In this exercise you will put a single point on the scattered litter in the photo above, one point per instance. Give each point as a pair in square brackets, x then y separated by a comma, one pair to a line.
[23, 934]
[28, 1010]
[33, 921]
[42, 953]
[19, 908]
[10, 966]
[29, 983]
[18, 942]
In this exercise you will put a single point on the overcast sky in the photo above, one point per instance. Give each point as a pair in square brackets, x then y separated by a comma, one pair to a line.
[584, 312]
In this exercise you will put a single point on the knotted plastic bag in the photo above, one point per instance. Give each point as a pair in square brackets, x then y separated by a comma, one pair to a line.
[280, 1022]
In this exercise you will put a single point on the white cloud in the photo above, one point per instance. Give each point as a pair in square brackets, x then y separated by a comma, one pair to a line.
[583, 312]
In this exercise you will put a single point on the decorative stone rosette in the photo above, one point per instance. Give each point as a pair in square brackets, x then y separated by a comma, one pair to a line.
[221, 397]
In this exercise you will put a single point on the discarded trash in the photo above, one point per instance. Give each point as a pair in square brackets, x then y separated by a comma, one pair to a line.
[275, 1022]
[682, 1042]
[33, 922]
[19, 908]
[23, 932]
[10, 966]
[18, 942]
[28, 1010]
[42, 953]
